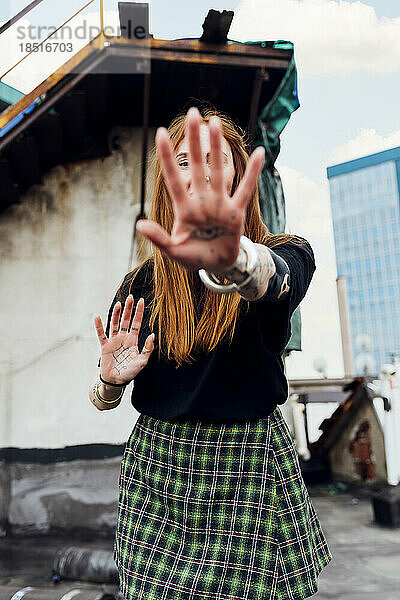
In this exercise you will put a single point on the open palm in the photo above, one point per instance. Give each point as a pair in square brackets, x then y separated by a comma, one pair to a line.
[208, 223]
[120, 359]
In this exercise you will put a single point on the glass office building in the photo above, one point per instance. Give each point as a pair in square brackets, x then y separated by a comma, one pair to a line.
[366, 221]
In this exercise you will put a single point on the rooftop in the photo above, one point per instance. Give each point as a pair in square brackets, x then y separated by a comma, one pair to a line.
[129, 82]
[363, 162]
[365, 564]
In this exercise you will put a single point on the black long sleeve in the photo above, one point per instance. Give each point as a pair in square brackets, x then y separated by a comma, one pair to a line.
[274, 315]
[241, 381]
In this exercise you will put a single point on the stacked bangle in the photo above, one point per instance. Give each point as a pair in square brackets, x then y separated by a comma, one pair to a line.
[99, 397]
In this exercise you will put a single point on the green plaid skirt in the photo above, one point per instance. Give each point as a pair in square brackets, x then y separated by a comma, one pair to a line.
[216, 511]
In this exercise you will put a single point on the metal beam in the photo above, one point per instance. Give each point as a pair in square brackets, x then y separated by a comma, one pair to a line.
[88, 51]
[184, 51]
[19, 15]
[145, 126]
[303, 384]
[102, 16]
[210, 58]
[146, 104]
[260, 76]
[196, 46]
[31, 117]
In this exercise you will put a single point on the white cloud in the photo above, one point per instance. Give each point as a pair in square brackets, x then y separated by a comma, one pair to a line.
[368, 141]
[330, 36]
[308, 214]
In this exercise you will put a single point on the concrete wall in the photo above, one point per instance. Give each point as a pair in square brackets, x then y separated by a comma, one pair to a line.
[64, 250]
[5, 483]
[76, 496]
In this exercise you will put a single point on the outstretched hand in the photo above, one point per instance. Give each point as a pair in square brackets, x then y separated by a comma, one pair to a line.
[209, 222]
[120, 359]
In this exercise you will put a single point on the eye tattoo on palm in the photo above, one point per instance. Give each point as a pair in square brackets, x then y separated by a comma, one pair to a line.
[209, 233]
[122, 357]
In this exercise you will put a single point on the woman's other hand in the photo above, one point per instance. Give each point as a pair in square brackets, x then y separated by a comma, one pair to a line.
[208, 221]
[121, 360]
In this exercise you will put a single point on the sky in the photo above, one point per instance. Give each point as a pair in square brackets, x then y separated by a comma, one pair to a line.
[348, 59]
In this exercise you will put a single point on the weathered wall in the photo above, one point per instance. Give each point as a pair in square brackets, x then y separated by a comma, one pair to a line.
[5, 483]
[64, 250]
[80, 495]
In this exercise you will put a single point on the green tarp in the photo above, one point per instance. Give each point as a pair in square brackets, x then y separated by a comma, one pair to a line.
[270, 124]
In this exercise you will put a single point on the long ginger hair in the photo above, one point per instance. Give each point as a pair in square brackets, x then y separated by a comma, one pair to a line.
[182, 330]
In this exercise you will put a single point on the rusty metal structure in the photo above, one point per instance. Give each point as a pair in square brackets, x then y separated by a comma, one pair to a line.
[67, 116]
[125, 81]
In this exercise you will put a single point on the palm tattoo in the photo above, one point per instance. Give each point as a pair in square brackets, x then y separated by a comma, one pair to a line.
[122, 357]
[120, 352]
[209, 233]
[208, 221]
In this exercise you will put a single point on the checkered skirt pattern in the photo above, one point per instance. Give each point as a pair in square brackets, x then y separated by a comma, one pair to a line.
[216, 511]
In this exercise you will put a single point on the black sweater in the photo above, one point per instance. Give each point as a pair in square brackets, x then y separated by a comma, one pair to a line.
[241, 381]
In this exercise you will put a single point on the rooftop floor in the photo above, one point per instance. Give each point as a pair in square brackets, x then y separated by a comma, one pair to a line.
[366, 556]
[365, 564]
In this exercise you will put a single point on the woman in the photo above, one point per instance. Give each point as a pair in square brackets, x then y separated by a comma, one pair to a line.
[212, 503]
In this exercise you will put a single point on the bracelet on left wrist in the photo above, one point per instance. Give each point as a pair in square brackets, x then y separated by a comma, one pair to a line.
[104, 400]
[210, 279]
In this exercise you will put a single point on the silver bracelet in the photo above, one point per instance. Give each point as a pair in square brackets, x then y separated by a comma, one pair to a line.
[211, 281]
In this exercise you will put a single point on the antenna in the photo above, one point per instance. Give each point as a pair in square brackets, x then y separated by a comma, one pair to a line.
[320, 366]
[365, 362]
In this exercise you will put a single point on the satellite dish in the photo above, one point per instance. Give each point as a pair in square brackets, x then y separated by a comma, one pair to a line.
[320, 365]
[365, 363]
[363, 342]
